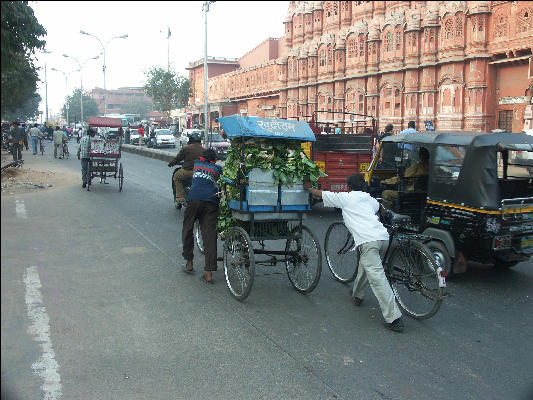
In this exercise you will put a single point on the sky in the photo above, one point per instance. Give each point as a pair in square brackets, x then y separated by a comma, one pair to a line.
[233, 29]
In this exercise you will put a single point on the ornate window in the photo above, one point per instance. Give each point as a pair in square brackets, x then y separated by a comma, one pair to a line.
[361, 47]
[525, 20]
[414, 39]
[351, 48]
[398, 40]
[481, 21]
[459, 27]
[328, 9]
[448, 29]
[473, 21]
[388, 42]
[336, 8]
[322, 58]
[330, 55]
[374, 48]
[501, 26]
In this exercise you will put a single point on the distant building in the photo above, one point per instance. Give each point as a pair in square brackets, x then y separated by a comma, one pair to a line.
[459, 64]
[116, 98]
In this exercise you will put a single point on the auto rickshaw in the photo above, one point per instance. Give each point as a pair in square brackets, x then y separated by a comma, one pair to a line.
[476, 203]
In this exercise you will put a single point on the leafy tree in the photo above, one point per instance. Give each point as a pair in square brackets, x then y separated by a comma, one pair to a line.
[90, 107]
[168, 89]
[20, 37]
[136, 106]
[28, 111]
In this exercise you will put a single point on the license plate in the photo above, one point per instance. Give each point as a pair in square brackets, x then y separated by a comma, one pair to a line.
[527, 244]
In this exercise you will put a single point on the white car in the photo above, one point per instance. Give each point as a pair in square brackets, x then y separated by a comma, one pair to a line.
[134, 136]
[184, 138]
[162, 138]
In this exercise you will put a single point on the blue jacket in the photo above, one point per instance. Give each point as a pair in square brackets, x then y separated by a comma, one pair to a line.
[204, 181]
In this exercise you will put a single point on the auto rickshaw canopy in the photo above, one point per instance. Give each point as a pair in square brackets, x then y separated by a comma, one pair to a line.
[477, 183]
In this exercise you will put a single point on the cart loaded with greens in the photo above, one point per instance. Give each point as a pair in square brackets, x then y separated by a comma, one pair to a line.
[263, 199]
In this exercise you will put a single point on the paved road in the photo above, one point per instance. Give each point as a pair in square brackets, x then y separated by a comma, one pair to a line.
[95, 306]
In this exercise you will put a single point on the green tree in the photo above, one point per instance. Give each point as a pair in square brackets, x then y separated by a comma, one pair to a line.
[20, 37]
[136, 106]
[72, 102]
[168, 89]
[27, 111]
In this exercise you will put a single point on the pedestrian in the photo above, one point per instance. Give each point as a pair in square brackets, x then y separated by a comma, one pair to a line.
[59, 138]
[127, 134]
[411, 128]
[84, 154]
[187, 154]
[202, 205]
[359, 213]
[17, 134]
[387, 132]
[35, 134]
[141, 134]
[79, 134]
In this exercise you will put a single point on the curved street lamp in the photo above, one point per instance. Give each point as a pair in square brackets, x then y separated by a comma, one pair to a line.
[104, 67]
[65, 75]
[81, 79]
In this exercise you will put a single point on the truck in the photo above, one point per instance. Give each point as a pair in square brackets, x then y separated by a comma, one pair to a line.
[344, 145]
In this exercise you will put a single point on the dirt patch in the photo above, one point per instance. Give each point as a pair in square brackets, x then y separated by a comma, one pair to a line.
[38, 173]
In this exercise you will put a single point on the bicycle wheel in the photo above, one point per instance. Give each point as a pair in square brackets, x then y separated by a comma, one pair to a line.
[341, 253]
[412, 273]
[198, 237]
[303, 259]
[239, 263]
[120, 177]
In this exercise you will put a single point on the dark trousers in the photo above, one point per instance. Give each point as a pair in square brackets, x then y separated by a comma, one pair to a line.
[17, 152]
[207, 214]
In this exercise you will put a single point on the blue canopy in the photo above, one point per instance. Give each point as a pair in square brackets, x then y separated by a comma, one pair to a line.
[271, 128]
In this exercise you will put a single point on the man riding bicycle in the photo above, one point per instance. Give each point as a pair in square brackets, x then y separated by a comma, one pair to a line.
[187, 154]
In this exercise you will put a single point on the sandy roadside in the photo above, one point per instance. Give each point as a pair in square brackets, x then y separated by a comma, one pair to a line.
[38, 173]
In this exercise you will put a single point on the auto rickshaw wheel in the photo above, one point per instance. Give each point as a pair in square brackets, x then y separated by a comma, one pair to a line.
[442, 256]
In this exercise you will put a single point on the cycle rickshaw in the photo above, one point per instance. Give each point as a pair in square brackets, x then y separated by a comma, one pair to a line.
[104, 155]
[267, 211]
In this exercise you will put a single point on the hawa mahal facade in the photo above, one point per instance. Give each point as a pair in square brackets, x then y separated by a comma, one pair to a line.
[461, 64]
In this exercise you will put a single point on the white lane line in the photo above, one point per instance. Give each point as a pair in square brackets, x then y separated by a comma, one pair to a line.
[46, 366]
[20, 208]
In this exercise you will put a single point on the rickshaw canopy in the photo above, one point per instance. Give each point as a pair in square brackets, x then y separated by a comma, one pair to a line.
[104, 122]
[255, 127]
[477, 184]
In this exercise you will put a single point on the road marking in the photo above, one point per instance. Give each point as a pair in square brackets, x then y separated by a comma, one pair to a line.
[46, 366]
[20, 208]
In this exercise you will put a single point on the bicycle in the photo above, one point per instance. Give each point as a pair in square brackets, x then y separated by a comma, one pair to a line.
[41, 146]
[416, 279]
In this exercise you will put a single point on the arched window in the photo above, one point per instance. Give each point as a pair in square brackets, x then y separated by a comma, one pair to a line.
[398, 40]
[448, 29]
[459, 26]
[351, 48]
[501, 26]
[388, 42]
[322, 58]
[525, 20]
[361, 47]
[330, 55]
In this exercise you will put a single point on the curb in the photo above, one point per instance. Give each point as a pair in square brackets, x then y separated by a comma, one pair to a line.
[152, 153]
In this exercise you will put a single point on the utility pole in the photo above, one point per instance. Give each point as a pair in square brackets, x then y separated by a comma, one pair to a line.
[206, 124]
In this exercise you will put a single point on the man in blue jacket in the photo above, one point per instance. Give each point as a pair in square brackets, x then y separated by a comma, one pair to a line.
[202, 205]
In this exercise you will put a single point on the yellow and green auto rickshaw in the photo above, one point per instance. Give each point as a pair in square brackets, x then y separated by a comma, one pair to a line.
[476, 202]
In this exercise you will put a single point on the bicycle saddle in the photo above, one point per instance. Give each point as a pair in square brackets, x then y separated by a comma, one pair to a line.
[391, 218]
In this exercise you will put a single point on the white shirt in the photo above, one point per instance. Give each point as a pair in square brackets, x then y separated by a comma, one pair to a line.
[359, 213]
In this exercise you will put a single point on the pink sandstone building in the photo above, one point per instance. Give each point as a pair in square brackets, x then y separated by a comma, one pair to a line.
[460, 64]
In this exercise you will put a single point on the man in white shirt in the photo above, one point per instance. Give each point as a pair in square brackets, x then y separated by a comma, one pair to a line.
[371, 239]
[35, 134]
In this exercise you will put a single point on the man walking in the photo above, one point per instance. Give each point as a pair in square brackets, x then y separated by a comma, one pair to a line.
[83, 154]
[18, 135]
[59, 139]
[35, 134]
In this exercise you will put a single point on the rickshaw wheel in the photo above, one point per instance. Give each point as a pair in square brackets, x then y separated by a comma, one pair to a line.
[120, 178]
[341, 253]
[442, 256]
[303, 259]
[198, 237]
[239, 263]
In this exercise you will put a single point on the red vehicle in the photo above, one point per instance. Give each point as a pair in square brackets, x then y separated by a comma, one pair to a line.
[344, 145]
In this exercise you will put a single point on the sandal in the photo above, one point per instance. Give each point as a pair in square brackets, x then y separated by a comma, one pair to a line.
[206, 281]
[187, 271]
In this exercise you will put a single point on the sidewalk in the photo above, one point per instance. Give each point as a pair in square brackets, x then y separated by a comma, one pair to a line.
[38, 172]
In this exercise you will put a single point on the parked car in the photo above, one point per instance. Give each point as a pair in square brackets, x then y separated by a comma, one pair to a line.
[184, 138]
[162, 138]
[134, 136]
[219, 144]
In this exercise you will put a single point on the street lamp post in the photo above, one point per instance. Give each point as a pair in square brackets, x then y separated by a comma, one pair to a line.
[46, 86]
[65, 75]
[104, 67]
[81, 80]
[206, 130]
